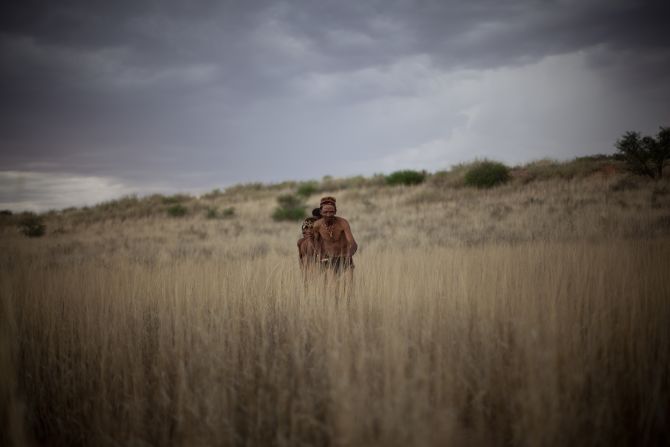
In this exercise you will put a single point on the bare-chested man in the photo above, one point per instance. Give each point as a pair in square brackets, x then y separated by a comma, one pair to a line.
[334, 243]
[306, 249]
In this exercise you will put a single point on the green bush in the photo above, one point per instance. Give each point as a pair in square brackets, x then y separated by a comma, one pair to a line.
[306, 189]
[177, 210]
[32, 225]
[290, 208]
[289, 201]
[228, 212]
[407, 177]
[292, 214]
[487, 174]
[174, 199]
[211, 213]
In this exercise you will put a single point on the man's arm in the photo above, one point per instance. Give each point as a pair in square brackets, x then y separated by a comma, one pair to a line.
[316, 239]
[352, 246]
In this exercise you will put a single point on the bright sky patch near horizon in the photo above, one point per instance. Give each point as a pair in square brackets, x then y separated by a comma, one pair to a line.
[102, 99]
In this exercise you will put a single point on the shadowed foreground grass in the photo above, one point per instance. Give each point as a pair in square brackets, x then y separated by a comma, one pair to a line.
[542, 343]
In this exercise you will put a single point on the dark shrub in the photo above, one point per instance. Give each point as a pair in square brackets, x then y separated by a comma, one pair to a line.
[228, 212]
[177, 210]
[289, 201]
[406, 177]
[177, 198]
[290, 208]
[306, 189]
[211, 213]
[487, 174]
[294, 214]
[32, 225]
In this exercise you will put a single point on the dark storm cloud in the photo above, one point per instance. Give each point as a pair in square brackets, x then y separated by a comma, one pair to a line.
[146, 35]
[342, 35]
[250, 90]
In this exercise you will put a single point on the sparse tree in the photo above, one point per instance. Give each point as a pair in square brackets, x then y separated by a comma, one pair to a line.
[645, 155]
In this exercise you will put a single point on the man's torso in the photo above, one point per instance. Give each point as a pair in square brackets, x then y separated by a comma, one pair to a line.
[333, 237]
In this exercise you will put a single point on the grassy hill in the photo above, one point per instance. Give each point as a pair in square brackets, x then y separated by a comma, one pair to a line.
[532, 313]
[220, 203]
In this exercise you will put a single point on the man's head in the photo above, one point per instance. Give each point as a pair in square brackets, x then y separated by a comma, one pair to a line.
[328, 208]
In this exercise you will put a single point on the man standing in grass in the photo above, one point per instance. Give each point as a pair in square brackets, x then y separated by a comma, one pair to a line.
[333, 241]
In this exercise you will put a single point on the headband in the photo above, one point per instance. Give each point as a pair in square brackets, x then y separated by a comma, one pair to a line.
[328, 201]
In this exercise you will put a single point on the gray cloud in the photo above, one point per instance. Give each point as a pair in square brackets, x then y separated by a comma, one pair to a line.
[210, 93]
[36, 191]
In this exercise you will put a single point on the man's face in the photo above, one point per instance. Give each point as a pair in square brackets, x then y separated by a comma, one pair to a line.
[328, 212]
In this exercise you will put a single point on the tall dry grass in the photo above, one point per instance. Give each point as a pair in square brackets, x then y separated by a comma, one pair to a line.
[542, 324]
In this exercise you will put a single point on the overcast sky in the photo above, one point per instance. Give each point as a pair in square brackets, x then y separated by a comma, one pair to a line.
[104, 98]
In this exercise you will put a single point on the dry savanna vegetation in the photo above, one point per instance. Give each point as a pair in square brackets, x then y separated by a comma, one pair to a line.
[530, 314]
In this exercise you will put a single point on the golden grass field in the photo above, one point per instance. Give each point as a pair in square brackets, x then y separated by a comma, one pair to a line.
[526, 315]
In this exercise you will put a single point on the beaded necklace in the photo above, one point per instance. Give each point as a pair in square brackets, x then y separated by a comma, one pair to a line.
[329, 228]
